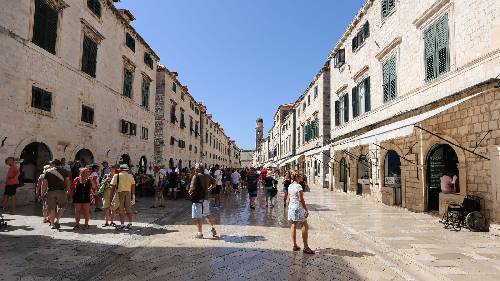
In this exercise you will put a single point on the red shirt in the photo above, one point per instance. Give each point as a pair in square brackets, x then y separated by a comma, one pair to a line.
[11, 176]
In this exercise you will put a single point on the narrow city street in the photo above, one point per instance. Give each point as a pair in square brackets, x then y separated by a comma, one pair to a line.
[354, 239]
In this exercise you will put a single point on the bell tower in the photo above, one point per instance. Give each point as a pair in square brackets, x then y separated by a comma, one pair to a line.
[259, 132]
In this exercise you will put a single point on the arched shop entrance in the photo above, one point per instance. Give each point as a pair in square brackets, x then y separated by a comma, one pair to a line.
[363, 174]
[392, 174]
[34, 156]
[86, 156]
[125, 159]
[143, 164]
[442, 159]
[343, 174]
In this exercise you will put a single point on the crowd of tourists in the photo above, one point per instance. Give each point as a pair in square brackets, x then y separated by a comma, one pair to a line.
[112, 189]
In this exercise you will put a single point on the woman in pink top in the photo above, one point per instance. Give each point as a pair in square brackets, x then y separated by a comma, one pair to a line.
[448, 183]
[11, 184]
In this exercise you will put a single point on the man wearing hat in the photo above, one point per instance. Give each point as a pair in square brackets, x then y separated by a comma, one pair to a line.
[124, 184]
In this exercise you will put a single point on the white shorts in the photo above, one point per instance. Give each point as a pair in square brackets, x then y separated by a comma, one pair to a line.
[200, 210]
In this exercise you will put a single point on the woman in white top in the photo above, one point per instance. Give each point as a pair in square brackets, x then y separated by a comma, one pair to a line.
[298, 213]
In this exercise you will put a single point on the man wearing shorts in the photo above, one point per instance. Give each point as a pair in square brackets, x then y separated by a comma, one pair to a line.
[58, 181]
[200, 184]
[124, 184]
[11, 184]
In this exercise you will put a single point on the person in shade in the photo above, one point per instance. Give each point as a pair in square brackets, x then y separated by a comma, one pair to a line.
[252, 182]
[298, 213]
[287, 180]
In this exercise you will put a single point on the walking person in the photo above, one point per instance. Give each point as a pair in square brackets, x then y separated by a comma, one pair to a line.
[235, 181]
[252, 182]
[11, 185]
[41, 193]
[298, 213]
[287, 180]
[58, 182]
[105, 190]
[123, 184]
[218, 186]
[158, 180]
[81, 192]
[269, 185]
[95, 178]
[198, 192]
[173, 184]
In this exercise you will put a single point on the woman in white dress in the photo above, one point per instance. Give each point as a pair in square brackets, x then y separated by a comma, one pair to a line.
[298, 213]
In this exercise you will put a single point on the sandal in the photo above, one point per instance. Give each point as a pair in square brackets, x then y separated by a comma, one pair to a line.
[296, 248]
[308, 251]
[105, 225]
[76, 227]
[112, 224]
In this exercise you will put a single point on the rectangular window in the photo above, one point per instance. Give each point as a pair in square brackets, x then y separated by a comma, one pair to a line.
[128, 128]
[183, 122]
[45, 27]
[89, 56]
[41, 99]
[87, 114]
[308, 100]
[173, 117]
[387, 7]
[315, 92]
[436, 49]
[339, 58]
[361, 98]
[145, 93]
[174, 87]
[130, 41]
[133, 129]
[148, 60]
[95, 7]
[144, 133]
[361, 36]
[172, 140]
[128, 77]
[389, 79]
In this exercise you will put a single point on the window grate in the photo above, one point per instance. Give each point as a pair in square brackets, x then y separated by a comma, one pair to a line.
[41, 99]
[87, 114]
[89, 56]
[127, 83]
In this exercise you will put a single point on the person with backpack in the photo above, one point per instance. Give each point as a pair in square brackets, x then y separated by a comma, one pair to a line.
[201, 185]
[58, 182]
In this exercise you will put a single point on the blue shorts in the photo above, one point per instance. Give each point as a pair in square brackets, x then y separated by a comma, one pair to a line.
[252, 193]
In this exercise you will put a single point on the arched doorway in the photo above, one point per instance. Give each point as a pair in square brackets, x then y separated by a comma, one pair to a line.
[363, 174]
[34, 156]
[343, 174]
[125, 159]
[442, 159]
[392, 174]
[85, 155]
[143, 164]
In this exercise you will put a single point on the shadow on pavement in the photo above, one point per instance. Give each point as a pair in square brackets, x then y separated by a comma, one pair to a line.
[242, 239]
[344, 253]
[35, 257]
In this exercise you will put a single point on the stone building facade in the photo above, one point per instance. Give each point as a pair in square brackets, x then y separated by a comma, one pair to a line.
[185, 133]
[77, 81]
[415, 99]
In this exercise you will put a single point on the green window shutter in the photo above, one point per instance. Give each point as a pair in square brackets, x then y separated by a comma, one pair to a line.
[89, 56]
[393, 78]
[145, 93]
[346, 107]
[385, 81]
[390, 5]
[354, 43]
[430, 52]
[354, 98]
[366, 29]
[127, 83]
[367, 95]
[337, 113]
[384, 7]
[45, 27]
[442, 47]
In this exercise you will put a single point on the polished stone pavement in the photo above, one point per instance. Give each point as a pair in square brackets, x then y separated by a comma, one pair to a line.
[355, 239]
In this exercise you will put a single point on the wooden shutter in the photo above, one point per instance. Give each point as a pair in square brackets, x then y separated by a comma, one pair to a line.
[346, 107]
[337, 113]
[393, 77]
[89, 56]
[442, 49]
[354, 98]
[367, 95]
[366, 29]
[354, 43]
[430, 52]
[45, 27]
[385, 81]
[124, 126]
[127, 83]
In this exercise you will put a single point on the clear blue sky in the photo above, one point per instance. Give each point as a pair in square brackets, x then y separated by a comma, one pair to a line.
[243, 58]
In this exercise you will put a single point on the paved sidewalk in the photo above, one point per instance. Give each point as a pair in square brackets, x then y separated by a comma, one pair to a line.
[415, 243]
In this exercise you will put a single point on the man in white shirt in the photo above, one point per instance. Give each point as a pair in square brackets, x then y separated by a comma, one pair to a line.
[235, 180]
[218, 186]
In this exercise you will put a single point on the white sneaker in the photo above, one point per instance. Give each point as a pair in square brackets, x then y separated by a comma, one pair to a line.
[199, 236]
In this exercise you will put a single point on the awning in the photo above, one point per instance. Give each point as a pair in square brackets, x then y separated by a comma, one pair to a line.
[317, 150]
[291, 160]
[395, 130]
